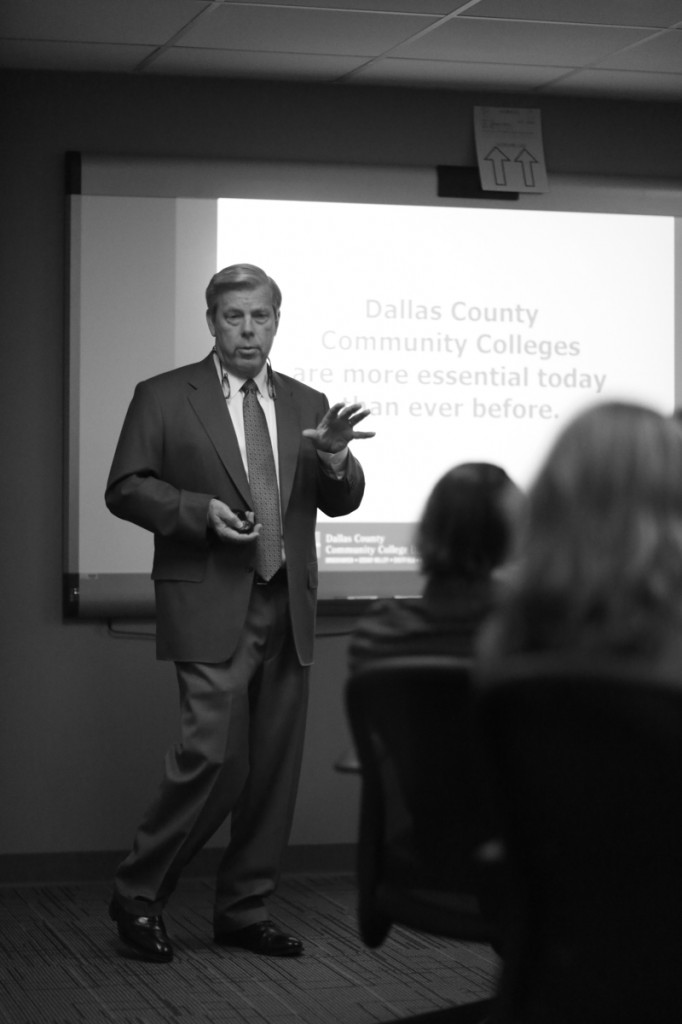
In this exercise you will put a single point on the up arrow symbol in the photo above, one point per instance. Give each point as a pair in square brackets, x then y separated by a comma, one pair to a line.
[527, 161]
[498, 159]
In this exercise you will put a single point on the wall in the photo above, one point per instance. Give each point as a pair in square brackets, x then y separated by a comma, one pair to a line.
[85, 717]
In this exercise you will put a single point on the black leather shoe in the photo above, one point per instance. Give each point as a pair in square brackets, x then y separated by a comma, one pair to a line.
[146, 935]
[262, 937]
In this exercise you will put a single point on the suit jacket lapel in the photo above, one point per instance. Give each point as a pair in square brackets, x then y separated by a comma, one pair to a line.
[288, 438]
[206, 398]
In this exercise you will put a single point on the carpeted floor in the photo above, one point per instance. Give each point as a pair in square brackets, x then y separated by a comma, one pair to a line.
[61, 963]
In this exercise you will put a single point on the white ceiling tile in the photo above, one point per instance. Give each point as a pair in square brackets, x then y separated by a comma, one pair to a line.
[451, 74]
[513, 42]
[502, 45]
[650, 13]
[437, 7]
[237, 64]
[96, 21]
[297, 31]
[629, 85]
[661, 53]
[60, 56]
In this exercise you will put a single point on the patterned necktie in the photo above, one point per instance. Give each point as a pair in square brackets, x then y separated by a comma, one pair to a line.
[263, 484]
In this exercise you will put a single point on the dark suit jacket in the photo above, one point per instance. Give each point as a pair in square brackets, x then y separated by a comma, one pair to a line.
[177, 450]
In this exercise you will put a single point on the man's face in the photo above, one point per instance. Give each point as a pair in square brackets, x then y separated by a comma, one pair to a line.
[244, 327]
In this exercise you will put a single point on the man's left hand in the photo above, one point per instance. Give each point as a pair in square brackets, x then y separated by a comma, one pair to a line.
[337, 427]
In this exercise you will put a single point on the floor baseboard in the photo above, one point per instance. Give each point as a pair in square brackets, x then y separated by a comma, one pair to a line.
[99, 866]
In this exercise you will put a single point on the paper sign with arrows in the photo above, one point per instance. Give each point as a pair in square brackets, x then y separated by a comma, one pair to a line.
[509, 149]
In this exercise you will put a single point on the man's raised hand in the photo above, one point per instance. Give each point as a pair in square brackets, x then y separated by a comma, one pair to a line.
[337, 427]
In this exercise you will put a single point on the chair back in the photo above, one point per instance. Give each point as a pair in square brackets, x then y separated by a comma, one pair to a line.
[586, 764]
[419, 821]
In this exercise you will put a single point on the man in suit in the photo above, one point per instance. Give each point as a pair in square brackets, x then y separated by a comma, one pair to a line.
[229, 478]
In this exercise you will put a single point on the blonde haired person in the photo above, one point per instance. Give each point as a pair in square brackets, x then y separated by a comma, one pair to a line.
[598, 566]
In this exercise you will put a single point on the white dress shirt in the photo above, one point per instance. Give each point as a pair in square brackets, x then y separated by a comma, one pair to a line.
[334, 464]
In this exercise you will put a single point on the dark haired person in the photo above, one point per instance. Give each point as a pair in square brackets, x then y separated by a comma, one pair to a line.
[227, 461]
[462, 538]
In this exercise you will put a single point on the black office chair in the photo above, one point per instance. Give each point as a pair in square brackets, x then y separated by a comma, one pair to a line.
[421, 815]
[587, 766]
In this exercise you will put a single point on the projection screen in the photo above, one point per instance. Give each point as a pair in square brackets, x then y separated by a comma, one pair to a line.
[471, 328]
